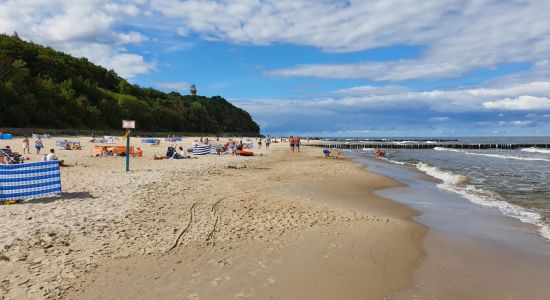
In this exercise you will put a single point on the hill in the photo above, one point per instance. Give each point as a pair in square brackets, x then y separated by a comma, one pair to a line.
[44, 88]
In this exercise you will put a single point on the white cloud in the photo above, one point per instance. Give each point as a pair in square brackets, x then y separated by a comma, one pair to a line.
[79, 27]
[130, 37]
[456, 36]
[173, 86]
[519, 103]
[371, 90]
[439, 119]
[403, 111]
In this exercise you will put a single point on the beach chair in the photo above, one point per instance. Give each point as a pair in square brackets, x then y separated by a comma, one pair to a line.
[11, 158]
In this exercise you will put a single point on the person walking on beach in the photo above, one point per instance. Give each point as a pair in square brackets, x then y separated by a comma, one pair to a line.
[291, 143]
[38, 145]
[260, 143]
[26, 145]
[297, 144]
[267, 142]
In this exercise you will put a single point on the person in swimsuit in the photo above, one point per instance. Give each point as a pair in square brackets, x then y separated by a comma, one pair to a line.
[26, 145]
[291, 142]
[296, 144]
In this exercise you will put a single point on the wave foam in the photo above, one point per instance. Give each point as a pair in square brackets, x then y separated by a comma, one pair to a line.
[457, 184]
[493, 155]
[508, 156]
[536, 150]
[448, 178]
[447, 149]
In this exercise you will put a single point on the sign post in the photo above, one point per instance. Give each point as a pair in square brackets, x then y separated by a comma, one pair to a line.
[128, 124]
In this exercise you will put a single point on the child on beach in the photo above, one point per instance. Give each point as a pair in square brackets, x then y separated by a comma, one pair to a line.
[26, 147]
[38, 145]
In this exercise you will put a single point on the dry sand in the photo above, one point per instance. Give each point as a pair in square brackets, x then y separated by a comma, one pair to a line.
[275, 226]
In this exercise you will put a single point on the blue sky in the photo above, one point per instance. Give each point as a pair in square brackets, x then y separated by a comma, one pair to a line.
[346, 68]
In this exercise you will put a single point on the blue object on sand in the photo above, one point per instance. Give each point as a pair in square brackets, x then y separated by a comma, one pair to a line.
[6, 136]
[150, 141]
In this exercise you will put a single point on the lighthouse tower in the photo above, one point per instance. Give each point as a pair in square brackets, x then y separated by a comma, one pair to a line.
[193, 90]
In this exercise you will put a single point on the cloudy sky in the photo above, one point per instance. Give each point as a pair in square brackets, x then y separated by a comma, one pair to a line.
[346, 68]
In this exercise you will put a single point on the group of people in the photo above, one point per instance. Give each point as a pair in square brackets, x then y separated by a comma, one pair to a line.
[38, 145]
[294, 142]
[267, 142]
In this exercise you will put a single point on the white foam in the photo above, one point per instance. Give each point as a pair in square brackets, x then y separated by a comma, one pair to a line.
[500, 156]
[448, 178]
[536, 150]
[508, 156]
[397, 162]
[457, 184]
[487, 199]
[447, 149]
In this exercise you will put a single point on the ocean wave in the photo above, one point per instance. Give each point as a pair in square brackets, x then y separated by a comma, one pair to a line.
[500, 156]
[487, 199]
[447, 149]
[458, 184]
[448, 178]
[536, 150]
[508, 156]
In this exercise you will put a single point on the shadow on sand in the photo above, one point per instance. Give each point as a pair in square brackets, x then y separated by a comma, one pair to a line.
[63, 196]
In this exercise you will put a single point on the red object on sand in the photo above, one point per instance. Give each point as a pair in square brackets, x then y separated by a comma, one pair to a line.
[246, 153]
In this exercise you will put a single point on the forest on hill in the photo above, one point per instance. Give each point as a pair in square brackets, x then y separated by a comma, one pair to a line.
[44, 88]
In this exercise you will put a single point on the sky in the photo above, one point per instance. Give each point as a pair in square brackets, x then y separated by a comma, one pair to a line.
[322, 68]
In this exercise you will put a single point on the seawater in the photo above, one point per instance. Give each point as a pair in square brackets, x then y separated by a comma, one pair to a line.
[514, 182]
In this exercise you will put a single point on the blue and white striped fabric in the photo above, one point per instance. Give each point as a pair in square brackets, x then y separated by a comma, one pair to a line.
[31, 180]
[201, 149]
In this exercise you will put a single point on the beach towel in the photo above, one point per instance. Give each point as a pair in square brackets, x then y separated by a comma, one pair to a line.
[201, 149]
[150, 141]
[63, 144]
[31, 180]
[173, 139]
[98, 150]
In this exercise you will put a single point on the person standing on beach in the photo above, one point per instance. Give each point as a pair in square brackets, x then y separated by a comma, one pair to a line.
[26, 145]
[260, 143]
[297, 144]
[38, 145]
[267, 142]
[291, 143]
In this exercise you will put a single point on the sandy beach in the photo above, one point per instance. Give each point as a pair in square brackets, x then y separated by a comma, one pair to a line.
[274, 226]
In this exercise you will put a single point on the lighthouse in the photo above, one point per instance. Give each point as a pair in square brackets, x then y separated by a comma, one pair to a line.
[193, 90]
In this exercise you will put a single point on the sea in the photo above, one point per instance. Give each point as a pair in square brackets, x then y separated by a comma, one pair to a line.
[516, 183]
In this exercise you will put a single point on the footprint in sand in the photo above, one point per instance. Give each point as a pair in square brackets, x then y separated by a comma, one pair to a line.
[269, 281]
[216, 281]
[243, 295]
[262, 264]
[192, 296]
